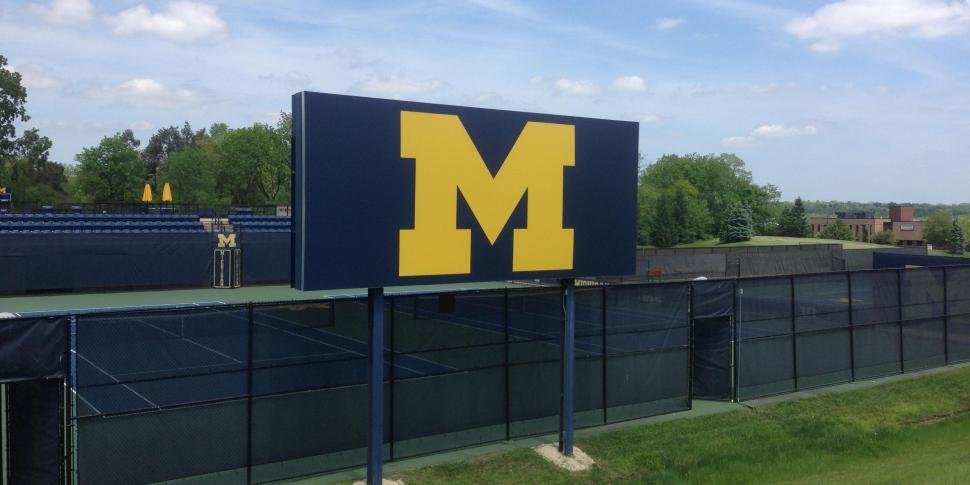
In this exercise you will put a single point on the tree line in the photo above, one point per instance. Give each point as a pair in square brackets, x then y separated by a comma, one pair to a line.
[681, 198]
[214, 166]
[685, 198]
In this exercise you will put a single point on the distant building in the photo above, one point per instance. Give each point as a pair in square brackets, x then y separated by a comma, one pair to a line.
[864, 225]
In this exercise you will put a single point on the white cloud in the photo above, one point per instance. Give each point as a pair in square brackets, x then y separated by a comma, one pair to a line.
[779, 131]
[148, 93]
[630, 83]
[64, 12]
[830, 26]
[397, 85]
[536, 79]
[180, 21]
[648, 118]
[35, 76]
[768, 131]
[669, 23]
[575, 88]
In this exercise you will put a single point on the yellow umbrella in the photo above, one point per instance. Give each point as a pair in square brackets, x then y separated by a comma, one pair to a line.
[146, 195]
[166, 193]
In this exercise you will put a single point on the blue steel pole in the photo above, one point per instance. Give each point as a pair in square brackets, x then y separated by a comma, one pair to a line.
[568, 361]
[375, 361]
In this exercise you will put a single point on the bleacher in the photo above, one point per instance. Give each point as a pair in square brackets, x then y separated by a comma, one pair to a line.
[260, 223]
[98, 223]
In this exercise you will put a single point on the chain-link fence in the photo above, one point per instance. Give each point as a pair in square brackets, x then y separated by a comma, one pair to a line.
[256, 393]
[263, 392]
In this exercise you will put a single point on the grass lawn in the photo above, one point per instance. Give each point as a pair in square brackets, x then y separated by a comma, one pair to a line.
[911, 431]
[778, 241]
[941, 252]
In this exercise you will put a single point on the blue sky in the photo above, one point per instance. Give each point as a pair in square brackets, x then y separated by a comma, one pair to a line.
[851, 100]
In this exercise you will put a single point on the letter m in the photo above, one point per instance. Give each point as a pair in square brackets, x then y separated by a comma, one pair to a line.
[446, 161]
[227, 240]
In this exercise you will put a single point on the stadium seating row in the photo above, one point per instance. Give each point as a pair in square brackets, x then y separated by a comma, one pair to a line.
[96, 217]
[101, 223]
[260, 223]
[96, 231]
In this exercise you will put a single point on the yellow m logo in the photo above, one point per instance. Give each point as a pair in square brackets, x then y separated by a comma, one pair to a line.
[446, 161]
[227, 240]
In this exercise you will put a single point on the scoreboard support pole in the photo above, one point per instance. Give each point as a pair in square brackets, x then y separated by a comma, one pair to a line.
[568, 366]
[375, 387]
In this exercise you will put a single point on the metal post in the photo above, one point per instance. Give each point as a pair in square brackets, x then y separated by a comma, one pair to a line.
[391, 378]
[568, 364]
[690, 348]
[603, 342]
[794, 338]
[508, 393]
[68, 427]
[946, 322]
[375, 384]
[899, 314]
[848, 277]
[249, 396]
[737, 293]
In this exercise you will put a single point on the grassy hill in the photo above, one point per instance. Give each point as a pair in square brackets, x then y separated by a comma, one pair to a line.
[909, 431]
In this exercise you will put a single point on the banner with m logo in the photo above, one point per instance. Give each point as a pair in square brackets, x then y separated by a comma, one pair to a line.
[395, 193]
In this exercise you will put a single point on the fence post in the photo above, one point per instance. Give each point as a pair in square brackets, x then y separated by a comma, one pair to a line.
[794, 335]
[375, 385]
[391, 378]
[690, 346]
[68, 438]
[508, 373]
[736, 293]
[899, 314]
[946, 321]
[568, 367]
[249, 396]
[603, 343]
[848, 277]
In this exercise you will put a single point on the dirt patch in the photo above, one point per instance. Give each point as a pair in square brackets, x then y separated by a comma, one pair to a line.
[936, 418]
[577, 463]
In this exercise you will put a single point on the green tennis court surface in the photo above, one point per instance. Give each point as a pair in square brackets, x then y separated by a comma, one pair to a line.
[126, 299]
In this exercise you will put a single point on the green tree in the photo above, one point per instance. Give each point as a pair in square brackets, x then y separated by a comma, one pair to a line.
[838, 230]
[13, 99]
[793, 222]
[255, 165]
[721, 180]
[163, 143]
[111, 171]
[956, 241]
[30, 174]
[884, 237]
[25, 167]
[936, 229]
[678, 215]
[964, 222]
[737, 226]
[193, 174]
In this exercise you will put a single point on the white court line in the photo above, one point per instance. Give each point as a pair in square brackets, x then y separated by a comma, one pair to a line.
[210, 349]
[341, 348]
[386, 349]
[126, 386]
[88, 403]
